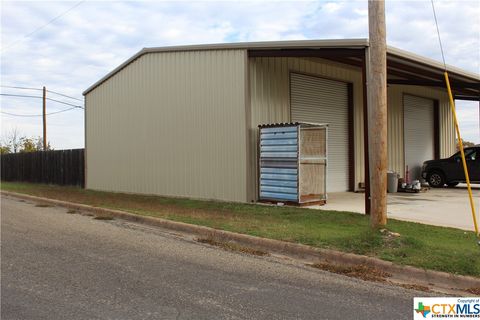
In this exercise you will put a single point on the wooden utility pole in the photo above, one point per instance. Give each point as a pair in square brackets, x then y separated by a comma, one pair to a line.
[44, 119]
[377, 89]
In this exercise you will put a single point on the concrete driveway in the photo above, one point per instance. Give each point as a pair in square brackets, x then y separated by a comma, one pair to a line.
[448, 207]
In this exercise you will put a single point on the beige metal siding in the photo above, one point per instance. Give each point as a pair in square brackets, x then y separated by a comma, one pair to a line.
[447, 128]
[171, 123]
[396, 151]
[270, 99]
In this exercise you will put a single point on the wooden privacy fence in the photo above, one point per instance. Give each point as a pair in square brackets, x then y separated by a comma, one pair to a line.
[63, 167]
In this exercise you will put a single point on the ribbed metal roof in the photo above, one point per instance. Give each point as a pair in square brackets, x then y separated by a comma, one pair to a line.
[291, 124]
[404, 56]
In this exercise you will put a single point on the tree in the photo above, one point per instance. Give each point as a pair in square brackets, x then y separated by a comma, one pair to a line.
[15, 142]
[466, 144]
[4, 149]
[28, 145]
[33, 144]
[12, 141]
[40, 144]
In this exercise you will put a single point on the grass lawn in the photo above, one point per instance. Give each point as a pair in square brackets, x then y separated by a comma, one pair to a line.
[419, 245]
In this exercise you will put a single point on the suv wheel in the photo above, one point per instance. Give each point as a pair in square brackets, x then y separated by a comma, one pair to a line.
[435, 179]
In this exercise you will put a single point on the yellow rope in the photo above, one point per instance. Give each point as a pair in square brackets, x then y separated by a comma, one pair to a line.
[460, 146]
[457, 128]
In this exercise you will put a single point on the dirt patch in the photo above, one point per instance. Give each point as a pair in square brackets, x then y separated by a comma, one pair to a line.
[474, 291]
[43, 205]
[88, 214]
[361, 271]
[71, 211]
[103, 217]
[413, 287]
[232, 246]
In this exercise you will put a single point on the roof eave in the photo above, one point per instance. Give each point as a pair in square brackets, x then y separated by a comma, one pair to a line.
[117, 69]
[431, 63]
[278, 45]
[310, 44]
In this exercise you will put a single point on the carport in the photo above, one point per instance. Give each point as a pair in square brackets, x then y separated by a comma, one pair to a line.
[327, 83]
[423, 134]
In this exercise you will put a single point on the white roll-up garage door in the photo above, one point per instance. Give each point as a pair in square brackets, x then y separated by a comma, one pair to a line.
[419, 133]
[319, 100]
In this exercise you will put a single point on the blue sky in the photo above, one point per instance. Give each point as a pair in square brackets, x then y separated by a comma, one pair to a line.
[80, 47]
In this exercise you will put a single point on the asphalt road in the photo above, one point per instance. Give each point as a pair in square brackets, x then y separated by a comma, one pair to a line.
[69, 266]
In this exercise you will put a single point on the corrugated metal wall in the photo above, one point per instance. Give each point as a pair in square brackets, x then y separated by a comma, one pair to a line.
[200, 104]
[279, 162]
[396, 159]
[270, 102]
[447, 128]
[270, 99]
[171, 123]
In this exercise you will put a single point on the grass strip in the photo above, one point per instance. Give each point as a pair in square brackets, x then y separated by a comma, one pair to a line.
[419, 245]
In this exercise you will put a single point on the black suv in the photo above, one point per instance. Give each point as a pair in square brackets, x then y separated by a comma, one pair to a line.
[450, 171]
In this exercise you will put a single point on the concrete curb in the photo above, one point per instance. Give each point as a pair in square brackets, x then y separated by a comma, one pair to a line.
[403, 274]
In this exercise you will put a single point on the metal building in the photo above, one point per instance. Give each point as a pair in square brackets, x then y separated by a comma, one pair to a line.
[183, 121]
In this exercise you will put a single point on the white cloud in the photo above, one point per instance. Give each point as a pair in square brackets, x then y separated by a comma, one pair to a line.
[468, 117]
[89, 41]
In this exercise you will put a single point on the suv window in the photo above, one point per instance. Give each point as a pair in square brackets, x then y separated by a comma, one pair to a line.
[470, 155]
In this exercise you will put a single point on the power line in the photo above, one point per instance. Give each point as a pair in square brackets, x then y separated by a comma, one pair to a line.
[64, 95]
[19, 95]
[54, 92]
[38, 115]
[22, 88]
[68, 104]
[438, 33]
[43, 26]
[39, 97]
